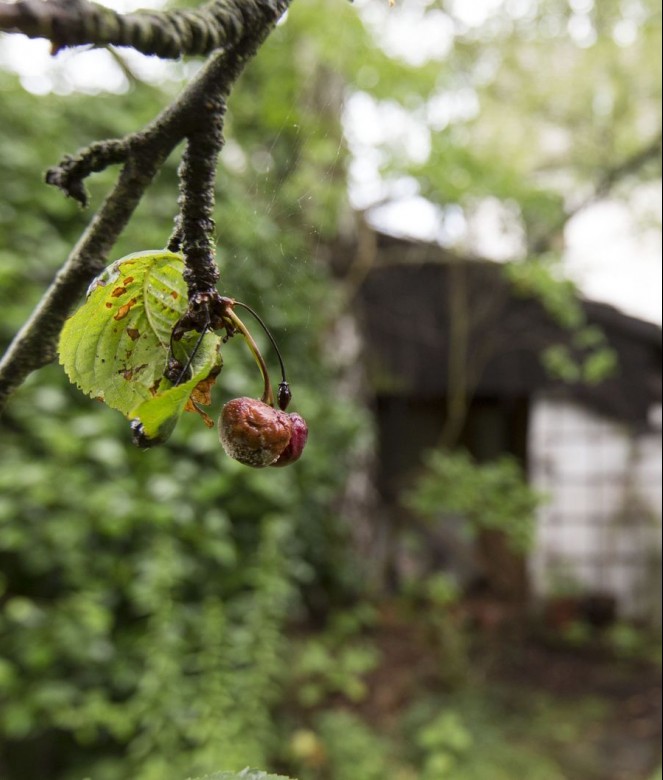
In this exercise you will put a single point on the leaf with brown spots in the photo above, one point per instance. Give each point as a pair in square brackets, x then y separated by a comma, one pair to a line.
[202, 395]
[124, 364]
[122, 312]
[193, 407]
[202, 392]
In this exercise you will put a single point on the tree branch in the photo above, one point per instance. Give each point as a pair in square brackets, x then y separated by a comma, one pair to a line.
[142, 153]
[68, 176]
[629, 166]
[168, 34]
[196, 201]
[609, 179]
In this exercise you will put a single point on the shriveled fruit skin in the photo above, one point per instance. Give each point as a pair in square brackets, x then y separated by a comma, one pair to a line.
[295, 446]
[252, 432]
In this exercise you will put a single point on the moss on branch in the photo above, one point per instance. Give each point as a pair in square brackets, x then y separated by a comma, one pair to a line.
[168, 34]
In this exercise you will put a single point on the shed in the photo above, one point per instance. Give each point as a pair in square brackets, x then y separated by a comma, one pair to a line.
[449, 337]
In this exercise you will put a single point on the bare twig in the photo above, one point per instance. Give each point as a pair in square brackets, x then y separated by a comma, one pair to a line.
[630, 165]
[70, 173]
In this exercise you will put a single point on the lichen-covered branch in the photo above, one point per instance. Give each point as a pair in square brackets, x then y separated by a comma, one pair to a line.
[168, 34]
[195, 116]
[196, 201]
[70, 173]
[35, 344]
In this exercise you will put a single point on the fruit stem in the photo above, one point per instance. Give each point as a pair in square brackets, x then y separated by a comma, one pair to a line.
[269, 335]
[268, 393]
[184, 373]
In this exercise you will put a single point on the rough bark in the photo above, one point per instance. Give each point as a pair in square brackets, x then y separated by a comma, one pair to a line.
[196, 117]
[169, 34]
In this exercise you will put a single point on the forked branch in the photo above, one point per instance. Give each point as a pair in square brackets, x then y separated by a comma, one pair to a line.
[196, 117]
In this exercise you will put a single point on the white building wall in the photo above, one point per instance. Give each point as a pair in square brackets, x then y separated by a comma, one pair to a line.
[601, 527]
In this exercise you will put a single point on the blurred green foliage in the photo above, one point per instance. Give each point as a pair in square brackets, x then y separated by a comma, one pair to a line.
[354, 749]
[333, 663]
[487, 496]
[145, 597]
[589, 358]
[469, 735]
[544, 106]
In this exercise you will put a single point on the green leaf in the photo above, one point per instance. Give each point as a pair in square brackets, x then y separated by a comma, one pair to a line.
[560, 364]
[159, 415]
[115, 347]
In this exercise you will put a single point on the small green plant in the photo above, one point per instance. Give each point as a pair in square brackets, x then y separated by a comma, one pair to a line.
[502, 736]
[336, 662]
[590, 359]
[326, 671]
[446, 629]
[630, 642]
[445, 742]
[577, 633]
[352, 750]
[488, 496]
[441, 590]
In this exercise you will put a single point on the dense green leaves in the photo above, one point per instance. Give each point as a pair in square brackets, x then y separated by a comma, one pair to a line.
[488, 496]
[145, 594]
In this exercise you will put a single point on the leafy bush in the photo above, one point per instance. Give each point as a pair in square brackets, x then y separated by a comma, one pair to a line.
[487, 496]
[336, 660]
[144, 595]
[354, 751]
[470, 735]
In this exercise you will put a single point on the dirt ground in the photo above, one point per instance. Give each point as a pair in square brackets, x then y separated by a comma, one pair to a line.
[620, 738]
[626, 742]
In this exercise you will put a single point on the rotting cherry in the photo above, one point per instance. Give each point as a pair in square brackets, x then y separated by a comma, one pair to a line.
[256, 434]
[252, 432]
[298, 439]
